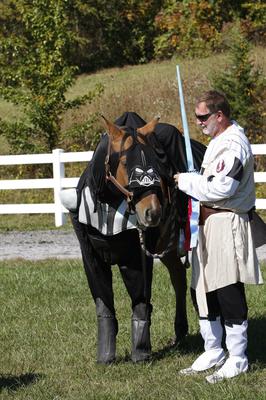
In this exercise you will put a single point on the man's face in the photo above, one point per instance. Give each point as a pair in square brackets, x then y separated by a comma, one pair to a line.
[208, 122]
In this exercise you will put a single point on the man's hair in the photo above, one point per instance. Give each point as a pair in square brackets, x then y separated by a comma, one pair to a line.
[215, 101]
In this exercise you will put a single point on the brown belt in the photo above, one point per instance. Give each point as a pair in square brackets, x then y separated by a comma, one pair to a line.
[205, 212]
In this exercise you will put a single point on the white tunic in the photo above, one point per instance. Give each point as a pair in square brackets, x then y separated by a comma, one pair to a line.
[225, 253]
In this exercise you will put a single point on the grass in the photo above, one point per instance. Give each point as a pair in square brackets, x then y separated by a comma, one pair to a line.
[48, 341]
[30, 222]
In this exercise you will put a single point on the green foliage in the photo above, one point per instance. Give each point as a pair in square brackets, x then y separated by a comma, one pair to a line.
[245, 87]
[196, 27]
[81, 137]
[10, 18]
[113, 32]
[108, 33]
[35, 73]
[255, 21]
[188, 28]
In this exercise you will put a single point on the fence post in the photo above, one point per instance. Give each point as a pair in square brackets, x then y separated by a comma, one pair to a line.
[58, 175]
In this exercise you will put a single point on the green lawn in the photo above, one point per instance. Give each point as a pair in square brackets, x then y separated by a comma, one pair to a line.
[48, 341]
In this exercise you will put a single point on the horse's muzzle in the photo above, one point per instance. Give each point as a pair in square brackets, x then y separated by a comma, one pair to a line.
[152, 217]
[149, 211]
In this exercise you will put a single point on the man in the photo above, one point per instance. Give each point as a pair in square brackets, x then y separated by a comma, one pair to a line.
[225, 257]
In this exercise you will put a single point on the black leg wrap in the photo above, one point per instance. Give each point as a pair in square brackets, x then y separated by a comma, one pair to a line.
[107, 331]
[140, 332]
[181, 330]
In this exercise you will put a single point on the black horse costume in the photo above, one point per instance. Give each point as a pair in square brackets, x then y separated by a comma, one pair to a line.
[108, 229]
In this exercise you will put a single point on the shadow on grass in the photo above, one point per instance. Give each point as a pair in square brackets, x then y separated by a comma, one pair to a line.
[194, 343]
[191, 343]
[257, 341]
[14, 382]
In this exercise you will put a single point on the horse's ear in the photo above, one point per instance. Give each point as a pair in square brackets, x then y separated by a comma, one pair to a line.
[112, 129]
[149, 127]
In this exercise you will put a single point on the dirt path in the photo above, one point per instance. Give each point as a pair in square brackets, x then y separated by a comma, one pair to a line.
[37, 245]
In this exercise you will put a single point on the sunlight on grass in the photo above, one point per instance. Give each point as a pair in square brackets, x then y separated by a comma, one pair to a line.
[48, 341]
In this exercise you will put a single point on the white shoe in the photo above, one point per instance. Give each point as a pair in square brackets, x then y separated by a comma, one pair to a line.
[207, 360]
[233, 366]
[212, 333]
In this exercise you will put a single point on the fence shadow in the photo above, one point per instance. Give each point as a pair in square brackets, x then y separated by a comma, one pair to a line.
[15, 382]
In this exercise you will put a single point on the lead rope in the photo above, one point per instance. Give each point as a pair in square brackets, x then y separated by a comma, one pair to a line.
[170, 242]
[172, 235]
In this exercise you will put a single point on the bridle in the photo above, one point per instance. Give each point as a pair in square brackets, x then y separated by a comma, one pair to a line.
[108, 174]
[110, 177]
[129, 198]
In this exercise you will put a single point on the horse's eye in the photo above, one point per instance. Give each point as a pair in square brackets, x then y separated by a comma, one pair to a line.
[139, 170]
[150, 170]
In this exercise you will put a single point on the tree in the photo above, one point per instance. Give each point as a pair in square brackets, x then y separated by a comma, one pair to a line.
[255, 20]
[35, 73]
[188, 28]
[113, 32]
[244, 86]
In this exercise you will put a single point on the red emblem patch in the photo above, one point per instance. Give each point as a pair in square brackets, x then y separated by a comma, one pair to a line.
[220, 166]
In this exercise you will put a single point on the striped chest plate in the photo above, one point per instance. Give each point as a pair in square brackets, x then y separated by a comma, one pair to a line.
[106, 219]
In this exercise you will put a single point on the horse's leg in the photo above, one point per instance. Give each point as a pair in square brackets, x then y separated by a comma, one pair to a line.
[99, 276]
[139, 289]
[107, 328]
[177, 273]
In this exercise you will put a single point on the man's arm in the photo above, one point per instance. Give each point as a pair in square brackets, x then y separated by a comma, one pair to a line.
[220, 184]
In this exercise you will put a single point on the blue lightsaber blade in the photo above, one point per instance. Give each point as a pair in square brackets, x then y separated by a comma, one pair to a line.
[190, 164]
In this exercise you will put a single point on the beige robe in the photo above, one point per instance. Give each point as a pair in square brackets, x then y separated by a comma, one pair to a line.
[233, 261]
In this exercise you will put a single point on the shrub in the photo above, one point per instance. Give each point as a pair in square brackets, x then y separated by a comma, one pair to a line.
[244, 86]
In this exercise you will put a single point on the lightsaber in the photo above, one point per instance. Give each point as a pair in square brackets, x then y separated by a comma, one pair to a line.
[193, 203]
[190, 163]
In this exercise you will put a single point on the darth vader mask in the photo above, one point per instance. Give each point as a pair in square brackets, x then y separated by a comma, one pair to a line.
[142, 176]
[142, 169]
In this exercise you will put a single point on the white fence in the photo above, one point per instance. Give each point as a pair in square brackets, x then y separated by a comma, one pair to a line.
[58, 159]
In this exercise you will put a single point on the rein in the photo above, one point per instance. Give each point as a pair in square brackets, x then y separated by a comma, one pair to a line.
[127, 193]
[169, 242]
[111, 178]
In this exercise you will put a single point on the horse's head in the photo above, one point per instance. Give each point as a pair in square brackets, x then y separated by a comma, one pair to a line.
[136, 171]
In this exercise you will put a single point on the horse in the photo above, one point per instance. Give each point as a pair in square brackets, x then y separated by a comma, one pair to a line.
[123, 203]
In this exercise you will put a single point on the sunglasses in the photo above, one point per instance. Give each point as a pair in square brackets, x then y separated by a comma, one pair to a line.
[204, 117]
